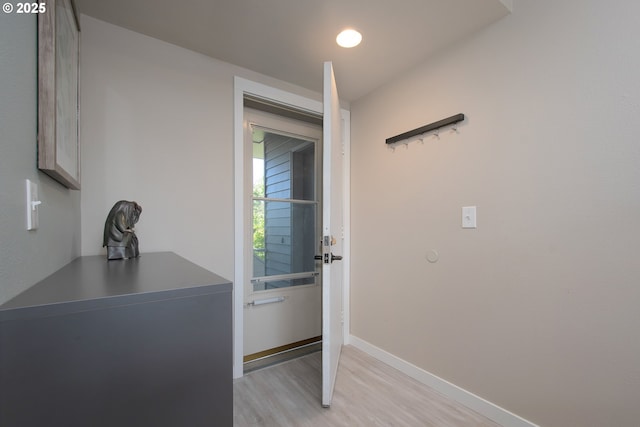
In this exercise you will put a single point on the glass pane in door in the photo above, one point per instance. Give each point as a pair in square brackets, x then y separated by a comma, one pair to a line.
[284, 210]
[283, 242]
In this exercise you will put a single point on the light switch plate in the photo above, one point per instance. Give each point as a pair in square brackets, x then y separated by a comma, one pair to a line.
[469, 217]
[32, 205]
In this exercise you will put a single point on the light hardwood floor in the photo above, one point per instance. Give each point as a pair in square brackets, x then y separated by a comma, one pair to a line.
[368, 393]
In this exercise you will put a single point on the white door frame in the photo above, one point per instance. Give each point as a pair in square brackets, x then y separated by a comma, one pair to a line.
[244, 87]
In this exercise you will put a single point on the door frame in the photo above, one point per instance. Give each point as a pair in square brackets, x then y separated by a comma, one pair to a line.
[244, 87]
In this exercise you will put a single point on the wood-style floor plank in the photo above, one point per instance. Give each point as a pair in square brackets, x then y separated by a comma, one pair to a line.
[368, 393]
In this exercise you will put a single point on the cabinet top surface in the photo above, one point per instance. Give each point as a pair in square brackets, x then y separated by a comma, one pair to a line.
[93, 278]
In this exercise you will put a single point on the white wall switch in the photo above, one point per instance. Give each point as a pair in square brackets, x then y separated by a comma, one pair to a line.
[32, 205]
[469, 217]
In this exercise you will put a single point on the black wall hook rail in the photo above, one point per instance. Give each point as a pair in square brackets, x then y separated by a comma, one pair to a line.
[424, 129]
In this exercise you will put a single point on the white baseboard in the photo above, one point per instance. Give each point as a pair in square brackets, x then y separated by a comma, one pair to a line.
[468, 399]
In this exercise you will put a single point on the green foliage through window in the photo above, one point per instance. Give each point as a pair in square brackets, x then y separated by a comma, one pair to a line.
[258, 222]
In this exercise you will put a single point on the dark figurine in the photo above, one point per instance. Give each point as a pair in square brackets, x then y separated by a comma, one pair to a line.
[119, 236]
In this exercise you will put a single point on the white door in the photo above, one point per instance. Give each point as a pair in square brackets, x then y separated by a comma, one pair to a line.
[282, 307]
[332, 240]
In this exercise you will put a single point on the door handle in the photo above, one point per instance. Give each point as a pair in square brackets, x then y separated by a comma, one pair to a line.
[333, 258]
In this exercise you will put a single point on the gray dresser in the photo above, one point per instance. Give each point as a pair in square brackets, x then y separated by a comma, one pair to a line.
[145, 342]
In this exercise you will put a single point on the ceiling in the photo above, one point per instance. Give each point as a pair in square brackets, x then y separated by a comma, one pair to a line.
[289, 39]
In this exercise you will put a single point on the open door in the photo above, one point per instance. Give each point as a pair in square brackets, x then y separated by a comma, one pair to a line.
[332, 240]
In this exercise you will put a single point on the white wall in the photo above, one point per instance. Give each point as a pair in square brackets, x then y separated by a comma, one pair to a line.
[157, 123]
[537, 309]
[27, 257]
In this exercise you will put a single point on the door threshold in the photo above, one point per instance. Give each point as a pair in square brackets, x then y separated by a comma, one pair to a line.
[254, 363]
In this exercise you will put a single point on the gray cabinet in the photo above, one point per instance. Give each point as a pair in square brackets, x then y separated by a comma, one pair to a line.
[142, 342]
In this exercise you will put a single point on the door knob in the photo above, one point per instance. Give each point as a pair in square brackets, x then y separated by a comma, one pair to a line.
[336, 257]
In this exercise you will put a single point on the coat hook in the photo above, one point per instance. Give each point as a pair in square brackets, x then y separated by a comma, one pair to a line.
[424, 130]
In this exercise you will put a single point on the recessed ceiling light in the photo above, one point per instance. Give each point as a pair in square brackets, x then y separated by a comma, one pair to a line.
[349, 38]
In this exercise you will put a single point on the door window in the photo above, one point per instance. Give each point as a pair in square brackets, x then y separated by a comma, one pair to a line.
[285, 209]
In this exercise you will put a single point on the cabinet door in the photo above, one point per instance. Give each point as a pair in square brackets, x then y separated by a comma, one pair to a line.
[167, 362]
